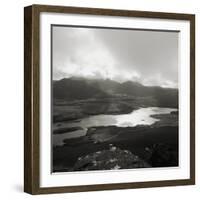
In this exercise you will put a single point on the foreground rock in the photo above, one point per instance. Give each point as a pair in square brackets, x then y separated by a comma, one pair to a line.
[111, 159]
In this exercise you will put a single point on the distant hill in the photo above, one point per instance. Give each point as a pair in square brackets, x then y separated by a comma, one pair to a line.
[163, 96]
[107, 85]
[80, 88]
[70, 89]
[133, 88]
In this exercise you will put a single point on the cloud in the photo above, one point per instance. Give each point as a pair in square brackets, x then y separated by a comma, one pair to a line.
[78, 52]
[149, 57]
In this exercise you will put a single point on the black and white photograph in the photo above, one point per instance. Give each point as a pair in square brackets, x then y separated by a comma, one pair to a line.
[109, 99]
[114, 98]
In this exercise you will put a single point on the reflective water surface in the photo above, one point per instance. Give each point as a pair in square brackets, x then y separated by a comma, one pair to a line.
[142, 116]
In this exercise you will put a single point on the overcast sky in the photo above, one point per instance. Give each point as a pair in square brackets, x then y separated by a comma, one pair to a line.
[149, 57]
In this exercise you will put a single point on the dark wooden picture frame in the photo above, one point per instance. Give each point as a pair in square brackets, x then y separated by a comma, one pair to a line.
[32, 105]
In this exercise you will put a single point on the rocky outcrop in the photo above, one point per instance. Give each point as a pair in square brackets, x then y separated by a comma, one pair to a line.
[110, 159]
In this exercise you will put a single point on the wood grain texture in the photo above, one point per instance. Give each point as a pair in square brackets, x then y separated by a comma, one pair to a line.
[32, 91]
[31, 100]
[192, 98]
[28, 162]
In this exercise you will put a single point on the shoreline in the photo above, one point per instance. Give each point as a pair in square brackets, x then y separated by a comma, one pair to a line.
[141, 140]
[70, 111]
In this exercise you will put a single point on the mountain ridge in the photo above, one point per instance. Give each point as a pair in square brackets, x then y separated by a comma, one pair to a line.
[81, 88]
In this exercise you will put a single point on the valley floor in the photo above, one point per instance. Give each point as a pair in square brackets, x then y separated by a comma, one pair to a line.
[155, 145]
[147, 146]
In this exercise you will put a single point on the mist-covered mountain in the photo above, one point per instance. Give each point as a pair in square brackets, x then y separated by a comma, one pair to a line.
[80, 88]
[71, 89]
